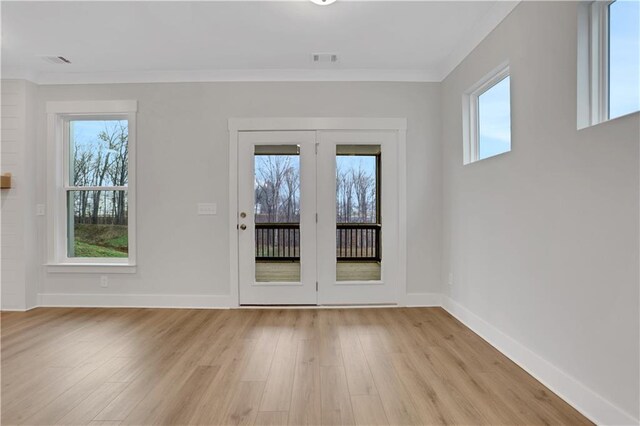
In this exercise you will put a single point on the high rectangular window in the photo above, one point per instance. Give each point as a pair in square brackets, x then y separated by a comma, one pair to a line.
[487, 117]
[608, 71]
[494, 120]
[624, 57]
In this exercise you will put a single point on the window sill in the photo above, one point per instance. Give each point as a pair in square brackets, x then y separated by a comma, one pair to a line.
[608, 120]
[91, 268]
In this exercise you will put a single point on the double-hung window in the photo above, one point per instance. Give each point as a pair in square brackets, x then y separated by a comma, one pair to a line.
[608, 60]
[92, 186]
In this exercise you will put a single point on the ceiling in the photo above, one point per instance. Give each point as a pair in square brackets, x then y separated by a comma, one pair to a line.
[148, 41]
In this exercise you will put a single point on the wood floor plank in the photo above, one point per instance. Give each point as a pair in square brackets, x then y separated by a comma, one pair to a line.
[179, 409]
[217, 397]
[438, 396]
[48, 356]
[538, 398]
[272, 418]
[306, 326]
[277, 392]
[177, 370]
[468, 384]
[359, 376]
[395, 398]
[151, 372]
[336, 401]
[84, 412]
[244, 405]
[257, 369]
[329, 339]
[306, 402]
[73, 396]
[107, 367]
[368, 411]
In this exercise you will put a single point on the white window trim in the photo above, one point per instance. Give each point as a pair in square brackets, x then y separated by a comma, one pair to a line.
[471, 149]
[58, 113]
[593, 64]
[599, 61]
[599, 67]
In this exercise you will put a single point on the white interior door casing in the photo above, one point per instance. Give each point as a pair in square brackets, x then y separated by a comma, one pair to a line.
[318, 138]
[383, 291]
[277, 293]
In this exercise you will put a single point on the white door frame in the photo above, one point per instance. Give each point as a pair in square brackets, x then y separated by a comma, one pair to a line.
[237, 125]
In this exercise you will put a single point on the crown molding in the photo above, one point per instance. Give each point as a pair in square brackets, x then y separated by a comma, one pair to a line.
[474, 36]
[263, 75]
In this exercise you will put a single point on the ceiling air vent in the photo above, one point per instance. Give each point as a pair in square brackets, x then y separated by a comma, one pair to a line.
[324, 58]
[56, 59]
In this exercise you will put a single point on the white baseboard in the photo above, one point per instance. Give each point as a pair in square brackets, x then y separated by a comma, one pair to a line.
[16, 309]
[424, 300]
[196, 301]
[583, 399]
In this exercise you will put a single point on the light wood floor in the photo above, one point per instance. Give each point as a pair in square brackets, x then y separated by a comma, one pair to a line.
[290, 271]
[265, 367]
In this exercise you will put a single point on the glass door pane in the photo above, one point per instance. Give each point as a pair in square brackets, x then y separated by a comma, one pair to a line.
[358, 218]
[277, 213]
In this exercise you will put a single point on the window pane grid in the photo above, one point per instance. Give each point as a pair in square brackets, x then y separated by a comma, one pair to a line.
[97, 224]
[96, 187]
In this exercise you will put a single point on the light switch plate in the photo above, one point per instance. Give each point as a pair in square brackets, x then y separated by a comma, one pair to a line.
[40, 209]
[207, 208]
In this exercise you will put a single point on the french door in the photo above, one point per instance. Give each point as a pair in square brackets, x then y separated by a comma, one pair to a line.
[317, 217]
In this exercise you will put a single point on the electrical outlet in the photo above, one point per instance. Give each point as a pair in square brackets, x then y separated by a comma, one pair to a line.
[104, 281]
[207, 208]
[40, 209]
[450, 278]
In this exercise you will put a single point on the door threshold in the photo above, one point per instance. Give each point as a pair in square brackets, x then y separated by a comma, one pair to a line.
[376, 305]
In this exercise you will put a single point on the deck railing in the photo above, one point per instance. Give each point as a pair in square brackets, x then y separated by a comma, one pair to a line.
[354, 241]
[277, 241]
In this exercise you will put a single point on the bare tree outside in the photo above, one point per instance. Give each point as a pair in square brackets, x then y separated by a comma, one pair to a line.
[356, 190]
[277, 188]
[277, 206]
[99, 158]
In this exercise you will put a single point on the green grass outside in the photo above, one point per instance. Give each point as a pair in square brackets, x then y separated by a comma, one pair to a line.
[101, 241]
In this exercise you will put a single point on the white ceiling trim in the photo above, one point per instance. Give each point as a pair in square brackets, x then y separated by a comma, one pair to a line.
[232, 75]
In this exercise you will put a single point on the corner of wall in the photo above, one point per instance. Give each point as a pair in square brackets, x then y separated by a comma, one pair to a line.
[19, 234]
[582, 398]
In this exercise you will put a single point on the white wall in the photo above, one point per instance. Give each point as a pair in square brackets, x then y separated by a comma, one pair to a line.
[18, 238]
[182, 160]
[543, 241]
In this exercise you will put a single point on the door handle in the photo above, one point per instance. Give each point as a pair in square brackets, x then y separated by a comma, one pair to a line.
[243, 226]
